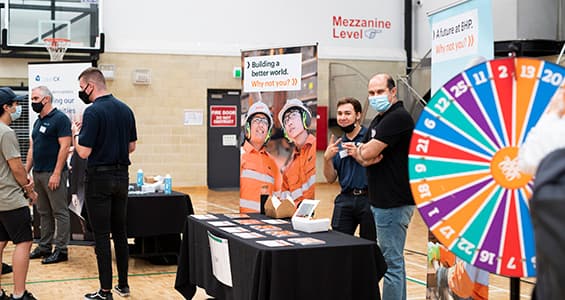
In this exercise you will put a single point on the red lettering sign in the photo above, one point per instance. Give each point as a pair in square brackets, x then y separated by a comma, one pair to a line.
[223, 116]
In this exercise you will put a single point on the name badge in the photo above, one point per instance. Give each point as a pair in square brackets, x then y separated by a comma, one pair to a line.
[343, 153]
[42, 129]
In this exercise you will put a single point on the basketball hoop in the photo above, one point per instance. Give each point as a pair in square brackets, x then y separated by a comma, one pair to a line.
[56, 47]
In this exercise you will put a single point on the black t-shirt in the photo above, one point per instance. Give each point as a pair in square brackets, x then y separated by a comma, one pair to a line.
[388, 180]
[108, 127]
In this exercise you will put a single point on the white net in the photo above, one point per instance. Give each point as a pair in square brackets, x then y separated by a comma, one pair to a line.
[56, 47]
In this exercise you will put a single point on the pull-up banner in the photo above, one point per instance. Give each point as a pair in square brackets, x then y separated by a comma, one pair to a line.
[462, 37]
[279, 86]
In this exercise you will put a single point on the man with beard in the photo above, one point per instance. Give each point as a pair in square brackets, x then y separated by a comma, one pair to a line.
[300, 175]
[385, 155]
[351, 207]
[259, 174]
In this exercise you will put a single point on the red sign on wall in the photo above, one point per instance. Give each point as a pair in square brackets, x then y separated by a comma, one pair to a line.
[223, 116]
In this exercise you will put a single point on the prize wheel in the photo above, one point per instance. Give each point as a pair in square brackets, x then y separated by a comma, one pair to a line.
[463, 161]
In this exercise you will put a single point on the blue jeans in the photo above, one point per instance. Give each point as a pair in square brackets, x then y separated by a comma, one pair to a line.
[106, 202]
[392, 224]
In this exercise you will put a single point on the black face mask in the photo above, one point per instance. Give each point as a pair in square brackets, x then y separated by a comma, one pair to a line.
[37, 106]
[348, 128]
[84, 96]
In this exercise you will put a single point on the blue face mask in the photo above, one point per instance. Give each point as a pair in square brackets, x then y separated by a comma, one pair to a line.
[17, 114]
[379, 103]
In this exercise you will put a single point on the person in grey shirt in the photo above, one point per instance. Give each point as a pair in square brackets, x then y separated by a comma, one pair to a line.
[15, 218]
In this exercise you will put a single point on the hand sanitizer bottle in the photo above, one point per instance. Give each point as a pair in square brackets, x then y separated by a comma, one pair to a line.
[139, 178]
[168, 184]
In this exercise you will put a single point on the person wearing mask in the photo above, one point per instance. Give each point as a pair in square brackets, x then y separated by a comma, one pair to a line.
[259, 174]
[384, 152]
[299, 178]
[351, 207]
[15, 218]
[47, 155]
[107, 136]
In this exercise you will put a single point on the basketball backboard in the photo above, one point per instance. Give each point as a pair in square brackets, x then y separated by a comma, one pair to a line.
[27, 23]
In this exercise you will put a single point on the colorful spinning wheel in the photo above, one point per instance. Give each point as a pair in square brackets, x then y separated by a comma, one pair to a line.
[463, 161]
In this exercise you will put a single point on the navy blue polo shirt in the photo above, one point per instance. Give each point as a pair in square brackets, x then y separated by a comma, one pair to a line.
[45, 136]
[108, 126]
[351, 174]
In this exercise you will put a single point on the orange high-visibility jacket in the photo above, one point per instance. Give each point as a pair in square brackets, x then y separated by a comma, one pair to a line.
[258, 173]
[299, 177]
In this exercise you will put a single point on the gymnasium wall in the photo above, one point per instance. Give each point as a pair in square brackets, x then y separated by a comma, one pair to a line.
[180, 82]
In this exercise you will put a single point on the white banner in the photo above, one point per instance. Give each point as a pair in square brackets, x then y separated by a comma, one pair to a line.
[355, 29]
[62, 80]
[462, 36]
[272, 73]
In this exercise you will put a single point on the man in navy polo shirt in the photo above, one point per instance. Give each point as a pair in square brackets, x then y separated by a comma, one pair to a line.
[47, 154]
[107, 136]
[351, 207]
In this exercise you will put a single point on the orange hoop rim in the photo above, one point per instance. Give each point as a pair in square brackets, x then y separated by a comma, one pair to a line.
[55, 41]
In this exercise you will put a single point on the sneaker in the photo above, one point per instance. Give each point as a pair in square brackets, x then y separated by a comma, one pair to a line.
[99, 295]
[4, 295]
[39, 253]
[122, 290]
[27, 296]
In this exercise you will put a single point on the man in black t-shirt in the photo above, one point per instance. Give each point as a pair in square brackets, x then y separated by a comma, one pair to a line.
[385, 154]
[107, 136]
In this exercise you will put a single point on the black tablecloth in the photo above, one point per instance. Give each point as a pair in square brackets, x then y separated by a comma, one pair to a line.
[345, 267]
[156, 214]
[149, 214]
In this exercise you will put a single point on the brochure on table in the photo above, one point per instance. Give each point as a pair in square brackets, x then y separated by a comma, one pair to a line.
[302, 218]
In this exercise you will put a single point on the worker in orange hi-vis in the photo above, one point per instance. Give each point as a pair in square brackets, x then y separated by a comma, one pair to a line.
[461, 280]
[259, 174]
[299, 177]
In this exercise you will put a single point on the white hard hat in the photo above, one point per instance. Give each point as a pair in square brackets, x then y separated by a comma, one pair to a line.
[295, 103]
[259, 108]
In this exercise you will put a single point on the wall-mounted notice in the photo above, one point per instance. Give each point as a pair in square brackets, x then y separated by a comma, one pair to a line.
[223, 116]
[193, 117]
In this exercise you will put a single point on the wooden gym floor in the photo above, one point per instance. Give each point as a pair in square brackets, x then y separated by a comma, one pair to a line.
[72, 279]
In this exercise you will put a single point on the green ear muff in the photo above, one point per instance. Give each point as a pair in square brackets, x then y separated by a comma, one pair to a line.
[268, 136]
[247, 130]
[305, 119]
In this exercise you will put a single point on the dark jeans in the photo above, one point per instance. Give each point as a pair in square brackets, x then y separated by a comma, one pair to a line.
[350, 211]
[106, 202]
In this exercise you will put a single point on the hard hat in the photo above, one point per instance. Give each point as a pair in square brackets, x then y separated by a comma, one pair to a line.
[296, 103]
[259, 108]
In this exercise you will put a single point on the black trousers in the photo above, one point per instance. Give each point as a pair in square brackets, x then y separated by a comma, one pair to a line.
[351, 211]
[106, 202]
